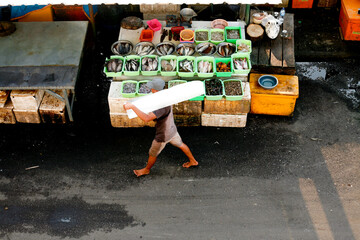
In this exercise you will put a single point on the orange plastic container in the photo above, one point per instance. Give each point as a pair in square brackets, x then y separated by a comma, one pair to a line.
[277, 101]
[146, 35]
[349, 19]
[302, 3]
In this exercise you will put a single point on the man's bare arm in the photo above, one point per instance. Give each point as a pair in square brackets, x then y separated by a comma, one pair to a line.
[143, 116]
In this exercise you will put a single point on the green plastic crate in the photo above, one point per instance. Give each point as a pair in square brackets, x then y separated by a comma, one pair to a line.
[209, 59]
[164, 73]
[241, 55]
[176, 81]
[232, 40]
[224, 60]
[186, 74]
[199, 98]
[132, 73]
[129, 95]
[233, 97]
[113, 74]
[138, 88]
[214, 97]
[217, 30]
[201, 30]
[149, 73]
[247, 42]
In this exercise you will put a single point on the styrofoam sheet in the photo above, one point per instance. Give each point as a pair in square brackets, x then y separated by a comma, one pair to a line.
[167, 97]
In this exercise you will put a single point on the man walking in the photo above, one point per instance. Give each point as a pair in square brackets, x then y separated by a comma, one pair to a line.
[166, 131]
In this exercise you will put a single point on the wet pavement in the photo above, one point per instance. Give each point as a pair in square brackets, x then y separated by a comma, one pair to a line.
[277, 178]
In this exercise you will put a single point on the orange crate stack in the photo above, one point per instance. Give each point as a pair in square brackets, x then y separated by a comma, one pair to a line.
[349, 19]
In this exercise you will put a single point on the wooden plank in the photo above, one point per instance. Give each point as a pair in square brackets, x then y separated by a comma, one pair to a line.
[26, 99]
[52, 110]
[288, 44]
[264, 51]
[219, 120]
[3, 97]
[254, 57]
[27, 116]
[276, 58]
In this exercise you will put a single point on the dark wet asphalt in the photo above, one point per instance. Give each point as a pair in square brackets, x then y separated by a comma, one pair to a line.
[249, 184]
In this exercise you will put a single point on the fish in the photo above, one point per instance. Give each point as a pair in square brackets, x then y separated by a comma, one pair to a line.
[164, 33]
[206, 48]
[186, 66]
[204, 67]
[168, 66]
[185, 50]
[114, 65]
[165, 49]
[226, 49]
[144, 49]
[132, 65]
[241, 64]
[122, 48]
[242, 47]
[149, 64]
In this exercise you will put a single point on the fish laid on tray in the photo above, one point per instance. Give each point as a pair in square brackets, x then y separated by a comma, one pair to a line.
[132, 65]
[226, 49]
[241, 64]
[144, 48]
[205, 67]
[186, 66]
[168, 65]
[184, 49]
[206, 48]
[165, 48]
[149, 64]
[114, 65]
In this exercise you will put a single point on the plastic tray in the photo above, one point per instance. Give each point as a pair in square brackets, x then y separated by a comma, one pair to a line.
[185, 74]
[241, 55]
[129, 95]
[132, 73]
[164, 73]
[217, 30]
[209, 59]
[154, 24]
[201, 30]
[247, 42]
[224, 60]
[214, 97]
[233, 97]
[149, 73]
[113, 74]
[138, 88]
[232, 40]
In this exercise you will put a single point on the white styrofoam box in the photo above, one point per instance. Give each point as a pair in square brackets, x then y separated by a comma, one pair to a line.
[223, 120]
[27, 116]
[26, 99]
[116, 101]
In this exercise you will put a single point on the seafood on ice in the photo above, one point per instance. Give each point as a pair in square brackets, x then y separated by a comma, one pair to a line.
[185, 49]
[226, 49]
[217, 36]
[144, 48]
[132, 65]
[168, 65]
[165, 48]
[205, 67]
[122, 48]
[149, 64]
[241, 64]
[206, 48]
[186, 66]
[114, 65]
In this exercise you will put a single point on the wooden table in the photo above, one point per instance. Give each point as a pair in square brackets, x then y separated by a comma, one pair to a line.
[275, 56]
[43, 55]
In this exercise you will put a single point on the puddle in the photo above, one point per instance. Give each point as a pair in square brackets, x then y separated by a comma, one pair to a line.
[64, 218]
[311, 71]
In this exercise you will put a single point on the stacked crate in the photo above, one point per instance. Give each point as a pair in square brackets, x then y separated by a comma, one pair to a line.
[26, 105]
[225, 113]
[187, 113]
[118, 116]
[6, 108]
[52, 109]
